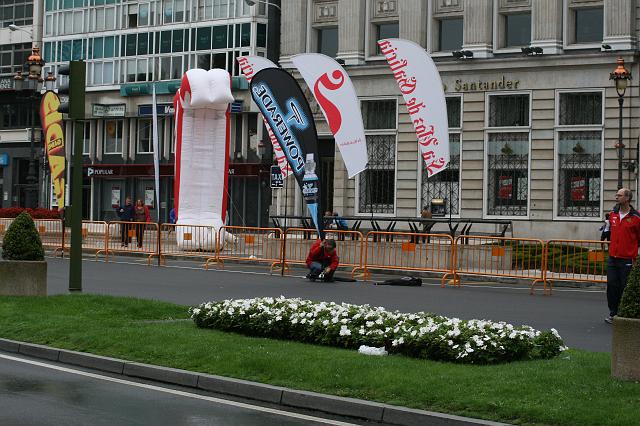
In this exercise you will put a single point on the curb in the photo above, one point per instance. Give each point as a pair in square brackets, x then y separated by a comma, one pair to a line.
[349, 407]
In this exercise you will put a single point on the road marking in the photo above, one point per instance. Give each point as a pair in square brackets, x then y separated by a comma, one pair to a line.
[180, 393]
[474, 284]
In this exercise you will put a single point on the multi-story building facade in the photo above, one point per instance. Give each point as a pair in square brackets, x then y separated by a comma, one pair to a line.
[18, 113]
[130, 47]
[533, 131]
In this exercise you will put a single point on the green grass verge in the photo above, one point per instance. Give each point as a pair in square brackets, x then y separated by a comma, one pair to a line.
[574, 389]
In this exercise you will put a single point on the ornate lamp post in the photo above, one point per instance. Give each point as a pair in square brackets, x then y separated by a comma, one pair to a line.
[29, 85]
[621, 77]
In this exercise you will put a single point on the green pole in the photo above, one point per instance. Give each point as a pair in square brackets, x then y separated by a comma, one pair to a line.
[76, 113]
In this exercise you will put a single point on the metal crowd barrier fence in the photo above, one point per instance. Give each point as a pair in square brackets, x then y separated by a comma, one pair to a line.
[248, 244]
[194, 241]
[51, 233]
[406, 251]
[94, 236]
[497, 257]
[574, 260]
[5, 222]
[132, 237]
[298, 242]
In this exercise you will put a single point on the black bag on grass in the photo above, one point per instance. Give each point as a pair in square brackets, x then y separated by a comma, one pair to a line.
[404, 281]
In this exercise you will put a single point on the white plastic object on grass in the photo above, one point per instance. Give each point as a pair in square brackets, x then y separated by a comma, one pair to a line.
[369, 350]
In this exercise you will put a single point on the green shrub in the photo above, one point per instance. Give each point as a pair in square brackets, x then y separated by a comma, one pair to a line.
[22, 241]
[630, 303]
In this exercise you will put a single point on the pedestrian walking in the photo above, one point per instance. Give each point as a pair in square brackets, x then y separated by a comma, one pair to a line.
[624, 223]
[141, 216]
[125, 214]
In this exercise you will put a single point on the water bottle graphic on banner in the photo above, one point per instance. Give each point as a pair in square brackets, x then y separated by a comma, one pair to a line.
[311, 186]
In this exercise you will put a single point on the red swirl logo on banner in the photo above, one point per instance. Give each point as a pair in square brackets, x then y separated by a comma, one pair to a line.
[334, 118]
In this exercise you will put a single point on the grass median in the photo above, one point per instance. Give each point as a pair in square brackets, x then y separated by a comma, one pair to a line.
[573, 389]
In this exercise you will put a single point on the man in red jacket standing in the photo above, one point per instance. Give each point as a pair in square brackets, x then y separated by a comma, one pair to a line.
[623, 250]
[322, 260]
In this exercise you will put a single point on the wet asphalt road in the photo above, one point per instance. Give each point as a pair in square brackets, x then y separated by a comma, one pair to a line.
[40, 393]
[577, 314]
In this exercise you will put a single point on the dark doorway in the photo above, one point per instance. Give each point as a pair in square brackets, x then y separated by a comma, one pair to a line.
[327, 153]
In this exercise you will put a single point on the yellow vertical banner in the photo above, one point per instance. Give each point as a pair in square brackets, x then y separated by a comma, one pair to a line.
[54, 142]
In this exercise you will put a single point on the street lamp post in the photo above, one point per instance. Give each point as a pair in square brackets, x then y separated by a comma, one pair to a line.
[32, 85]
[621, 77]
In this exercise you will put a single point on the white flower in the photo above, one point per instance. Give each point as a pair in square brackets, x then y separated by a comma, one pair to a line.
[344, 331]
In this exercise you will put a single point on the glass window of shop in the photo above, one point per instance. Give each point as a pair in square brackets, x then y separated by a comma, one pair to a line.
[376, 185]
[579, 154]
[507, 177]
[446, 184]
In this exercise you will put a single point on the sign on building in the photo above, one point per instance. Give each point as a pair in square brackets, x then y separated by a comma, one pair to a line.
[277, 181]
[116, 110]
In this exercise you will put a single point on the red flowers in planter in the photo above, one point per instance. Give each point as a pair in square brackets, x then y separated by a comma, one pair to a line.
[37, 213]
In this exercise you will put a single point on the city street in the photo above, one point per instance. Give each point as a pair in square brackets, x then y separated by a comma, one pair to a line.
[577, 314]
[42, 393]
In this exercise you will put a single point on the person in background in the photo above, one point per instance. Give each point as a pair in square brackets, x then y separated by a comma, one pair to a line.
[322, 260]
[605, 229]
[125, 214]
[141, 216]
[328, 220]
[341, 224]
[426, 226]
[172, 218]
[623, 250]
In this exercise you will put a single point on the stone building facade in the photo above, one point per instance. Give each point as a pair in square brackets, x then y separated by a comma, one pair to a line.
[533, 131]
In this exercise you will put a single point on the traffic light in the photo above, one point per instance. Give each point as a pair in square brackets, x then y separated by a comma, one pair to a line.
[75, 89]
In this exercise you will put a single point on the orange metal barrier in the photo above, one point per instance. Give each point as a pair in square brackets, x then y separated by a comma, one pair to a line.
[51, 233]
[132, 237]
[5, 222]
[298, 242]
[248, 244]
[407, 251]
[575, 260]
[197, 241]
[497, 257]
[94, 236]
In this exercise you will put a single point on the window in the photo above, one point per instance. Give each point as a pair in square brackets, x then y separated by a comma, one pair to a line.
[446, 184]
[508, 110]
[86, 141]
[113, 136]
[450, 34]
[16, 12]
[517, 29]
[328, 41]
[588, 25]
[508, 155]
[386, 30]
[13, 57]
[376, 185]
[261, 35]
[144, 136]
[579, 154]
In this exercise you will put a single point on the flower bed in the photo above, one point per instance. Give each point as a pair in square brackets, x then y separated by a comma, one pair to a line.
[37, 213]
[419, 335]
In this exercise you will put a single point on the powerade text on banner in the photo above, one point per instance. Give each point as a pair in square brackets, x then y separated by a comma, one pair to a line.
[287, 112]
[250, 65]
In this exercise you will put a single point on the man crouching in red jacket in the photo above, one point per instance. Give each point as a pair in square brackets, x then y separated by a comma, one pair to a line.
[322, 260]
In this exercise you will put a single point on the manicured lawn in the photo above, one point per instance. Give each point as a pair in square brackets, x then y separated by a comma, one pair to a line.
[573, 389]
